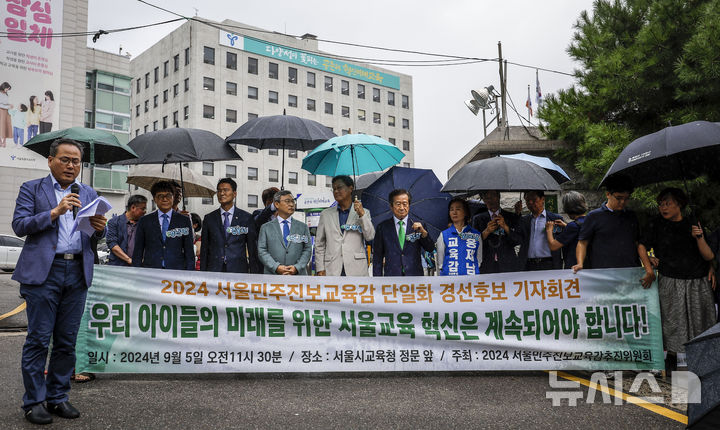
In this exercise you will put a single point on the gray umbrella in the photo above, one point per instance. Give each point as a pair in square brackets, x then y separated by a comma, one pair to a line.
[704, 361]
[502, 174]
[281, 132]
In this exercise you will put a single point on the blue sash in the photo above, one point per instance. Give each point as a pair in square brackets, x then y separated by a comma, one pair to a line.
[461, 250]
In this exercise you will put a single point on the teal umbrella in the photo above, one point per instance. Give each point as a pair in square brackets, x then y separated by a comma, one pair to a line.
[352, 154]
[101, 147]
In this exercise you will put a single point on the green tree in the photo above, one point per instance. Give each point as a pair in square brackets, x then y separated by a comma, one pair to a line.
[643, 65]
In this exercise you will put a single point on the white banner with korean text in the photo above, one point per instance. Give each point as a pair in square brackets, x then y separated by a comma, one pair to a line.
[163, 321]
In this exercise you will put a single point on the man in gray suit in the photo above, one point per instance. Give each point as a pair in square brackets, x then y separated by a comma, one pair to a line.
[342, 232]
[284, 244]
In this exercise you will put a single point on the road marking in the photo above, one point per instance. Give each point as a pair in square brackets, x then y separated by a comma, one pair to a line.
[652, 407]
[17, 310]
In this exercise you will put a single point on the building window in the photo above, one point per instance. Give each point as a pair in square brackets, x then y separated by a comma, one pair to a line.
[252, 93]
[344, 131]
[164, 122]
[406, 145]
[231, 60]
[361, 91]
[328, 181]
[207, 200]
[230, 171]
[310, 104]
[175, 119]
[361, 114]
[166, 69]
[187, 56]
[252, 66]
[345, 88]
[311, 79]
[176, 90]
[230, 115]
[272, 70]
[376, 118]
[272, 96]
[392, 140]
[155, 125]
[147, 105]
[391, 121]
[165, 96]
[252, 200]
[145, 129]
[208, 112]
[292, 100]
[208, 55]
[137, 89]
[406, 164]
[252, 116]
[208, 84]
[186, 84]
[292, 153]
[273, 175]
[137, 132]
[328, 83]
[345, 111]
[208, 168]
[292, 75]
[292, 178]
[231, 88]
[251, 149]
[176, 63]
[273, 151]
[376, 95]
[406, 123]
[405, 102]
[252, 172]
[391, 98]
[156, 74]
[328, 108]
[186, 112]
[312, 180]
[147, 80]
[137, 110]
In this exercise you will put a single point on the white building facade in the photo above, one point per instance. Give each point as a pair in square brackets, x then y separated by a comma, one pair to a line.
[216, 77]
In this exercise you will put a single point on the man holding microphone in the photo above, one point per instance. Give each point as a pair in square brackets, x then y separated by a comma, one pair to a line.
[55, 270]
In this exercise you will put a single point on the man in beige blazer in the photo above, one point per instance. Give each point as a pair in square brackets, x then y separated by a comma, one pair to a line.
[341, 234]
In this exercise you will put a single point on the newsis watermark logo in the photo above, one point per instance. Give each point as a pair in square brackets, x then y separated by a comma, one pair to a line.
[685, 388]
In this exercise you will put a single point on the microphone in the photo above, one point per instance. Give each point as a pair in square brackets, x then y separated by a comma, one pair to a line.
[75, 188]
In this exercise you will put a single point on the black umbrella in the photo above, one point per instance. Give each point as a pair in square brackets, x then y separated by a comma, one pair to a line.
[678, 152]
[703, 360]
[180, 145]
[281, 132]
[501, 174]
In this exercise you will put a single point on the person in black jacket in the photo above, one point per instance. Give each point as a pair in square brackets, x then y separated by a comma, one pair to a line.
[164, 238]
[498, 228]
[229, 240]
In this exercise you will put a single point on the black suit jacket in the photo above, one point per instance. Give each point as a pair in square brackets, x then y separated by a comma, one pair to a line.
[262, 216]
[176, 251]
[525, 230]
[499, 250]
[389, 259]
[238, 249]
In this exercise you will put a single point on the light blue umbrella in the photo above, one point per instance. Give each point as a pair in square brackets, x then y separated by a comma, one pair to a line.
[352, 154]
[553, 169]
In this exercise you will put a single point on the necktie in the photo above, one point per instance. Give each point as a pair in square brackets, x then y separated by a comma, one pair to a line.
[286, 231]
[226, 223]
[165, 225]
[401, 234]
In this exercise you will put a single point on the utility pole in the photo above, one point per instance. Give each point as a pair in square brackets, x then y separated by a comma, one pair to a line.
[503, 91]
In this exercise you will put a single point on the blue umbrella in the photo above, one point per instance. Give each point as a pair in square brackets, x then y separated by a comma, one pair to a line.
[352, 154]
[553, 169]
[428, 203]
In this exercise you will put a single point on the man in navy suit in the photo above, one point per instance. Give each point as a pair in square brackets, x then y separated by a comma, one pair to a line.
[229, 238]
[535, 253]
[261, 216]
[164, 238]
[121, 231]
[400, 240]
[55, 270]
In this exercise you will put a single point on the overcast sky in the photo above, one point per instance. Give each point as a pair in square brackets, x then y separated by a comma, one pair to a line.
[532, 32]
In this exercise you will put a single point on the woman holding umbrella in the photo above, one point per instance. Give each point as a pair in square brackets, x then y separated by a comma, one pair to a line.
[682, 257]
[459, 247]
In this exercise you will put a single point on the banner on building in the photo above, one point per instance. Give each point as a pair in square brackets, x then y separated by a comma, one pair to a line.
[308, 59]
[162, 321]
[30, 62]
